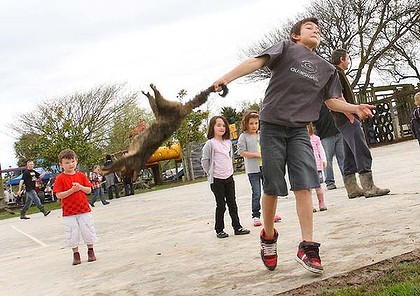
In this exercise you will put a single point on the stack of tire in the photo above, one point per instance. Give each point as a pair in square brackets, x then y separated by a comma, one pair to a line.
[379, 128]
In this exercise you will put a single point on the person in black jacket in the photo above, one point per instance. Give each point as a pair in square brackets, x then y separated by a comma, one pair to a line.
[112, 180]
[415, 117]
[332, 141]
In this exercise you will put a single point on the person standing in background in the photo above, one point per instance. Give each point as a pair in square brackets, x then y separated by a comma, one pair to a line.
[332, 141]
[29, 178]
[357, 156]
[112, 180]
[217, 163]
[249, 148]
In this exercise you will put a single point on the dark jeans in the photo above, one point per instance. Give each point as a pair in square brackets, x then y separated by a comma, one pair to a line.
[255, 181]
[111, 189]
[357, 156]
[128, 186]
[224, 192]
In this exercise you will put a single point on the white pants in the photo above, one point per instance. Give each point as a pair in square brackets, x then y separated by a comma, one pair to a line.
[76, 224]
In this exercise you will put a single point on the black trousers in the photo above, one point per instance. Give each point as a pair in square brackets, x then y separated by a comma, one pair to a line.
[224, 192]
[128, 186]
[111, 189]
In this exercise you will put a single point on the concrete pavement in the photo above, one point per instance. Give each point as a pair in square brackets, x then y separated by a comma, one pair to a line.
[163, 242]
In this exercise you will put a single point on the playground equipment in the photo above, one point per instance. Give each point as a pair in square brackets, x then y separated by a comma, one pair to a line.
[162, 154]
[165, 153]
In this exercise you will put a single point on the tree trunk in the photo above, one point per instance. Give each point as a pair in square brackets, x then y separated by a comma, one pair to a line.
[186, 163]
[157, 174]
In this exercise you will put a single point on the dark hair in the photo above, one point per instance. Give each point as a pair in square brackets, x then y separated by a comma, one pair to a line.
[337, 55]
[67, 154]
[108, 157]
[296, 27]
[212, 123]
[245, 119]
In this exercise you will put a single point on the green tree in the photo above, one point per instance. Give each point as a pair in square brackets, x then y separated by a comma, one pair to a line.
[381, 36]
[192, 129]
[122, 127]
[233, 117]
[26, 148]
[82, 121]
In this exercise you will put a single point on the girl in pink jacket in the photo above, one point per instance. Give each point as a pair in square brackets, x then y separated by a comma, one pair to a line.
[321, 164]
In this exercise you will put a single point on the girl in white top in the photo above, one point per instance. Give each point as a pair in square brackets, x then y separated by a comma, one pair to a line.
[249, 148]
[217, 163]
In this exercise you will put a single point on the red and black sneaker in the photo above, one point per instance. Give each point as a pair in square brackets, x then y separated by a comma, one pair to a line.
[269, 250]
[308, 256]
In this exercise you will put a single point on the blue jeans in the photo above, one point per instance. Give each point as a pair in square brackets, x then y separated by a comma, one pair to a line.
[333, 146]
[31, 195]
[255, 181]
[98, 192]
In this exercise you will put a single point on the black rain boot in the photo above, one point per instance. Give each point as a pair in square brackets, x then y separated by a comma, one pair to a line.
[46, 213]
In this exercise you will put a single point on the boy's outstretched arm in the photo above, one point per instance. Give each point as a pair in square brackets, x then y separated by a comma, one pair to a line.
[338, 105]
[246, 67]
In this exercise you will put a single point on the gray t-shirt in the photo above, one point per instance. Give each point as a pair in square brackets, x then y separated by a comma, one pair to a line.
[301, 80]
[249, 143]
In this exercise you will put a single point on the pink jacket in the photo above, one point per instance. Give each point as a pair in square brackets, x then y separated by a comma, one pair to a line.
[319, 152]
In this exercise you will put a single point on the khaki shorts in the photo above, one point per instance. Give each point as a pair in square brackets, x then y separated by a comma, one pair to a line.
[76, 225]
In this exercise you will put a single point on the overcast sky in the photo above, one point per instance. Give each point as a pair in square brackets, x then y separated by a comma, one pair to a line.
[51, 48]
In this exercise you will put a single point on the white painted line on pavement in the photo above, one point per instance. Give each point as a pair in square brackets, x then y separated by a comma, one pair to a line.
[30, 236]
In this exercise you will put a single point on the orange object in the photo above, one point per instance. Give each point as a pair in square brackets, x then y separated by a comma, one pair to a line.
[233, 131]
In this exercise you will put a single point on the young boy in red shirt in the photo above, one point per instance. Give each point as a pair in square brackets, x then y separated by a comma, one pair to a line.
[71, 187]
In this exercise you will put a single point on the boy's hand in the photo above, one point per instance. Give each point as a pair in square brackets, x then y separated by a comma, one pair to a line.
[364, 111]
[324, 164]
[76, 187]
[220, 85]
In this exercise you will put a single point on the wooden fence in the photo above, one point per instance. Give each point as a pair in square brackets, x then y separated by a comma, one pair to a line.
[390, 121]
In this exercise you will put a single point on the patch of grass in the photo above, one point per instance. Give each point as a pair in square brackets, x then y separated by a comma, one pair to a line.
[400, 280]
[32, 210]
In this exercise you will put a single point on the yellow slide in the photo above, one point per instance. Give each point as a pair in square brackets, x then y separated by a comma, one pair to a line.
[165, 153]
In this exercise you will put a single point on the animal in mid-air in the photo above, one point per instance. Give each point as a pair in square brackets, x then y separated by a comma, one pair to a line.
[168, 118]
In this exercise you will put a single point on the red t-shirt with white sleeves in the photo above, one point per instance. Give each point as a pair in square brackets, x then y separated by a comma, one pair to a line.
[76, 203]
